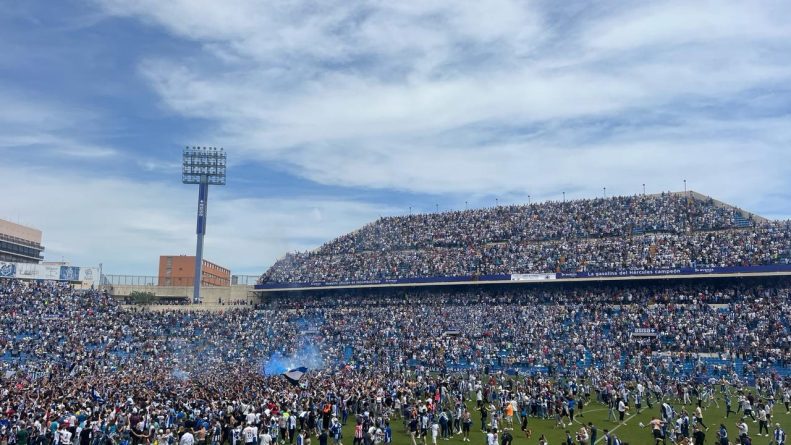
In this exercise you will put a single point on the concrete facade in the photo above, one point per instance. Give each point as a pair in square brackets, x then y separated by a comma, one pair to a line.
[19, 244]
[211, 295]
[19, 231]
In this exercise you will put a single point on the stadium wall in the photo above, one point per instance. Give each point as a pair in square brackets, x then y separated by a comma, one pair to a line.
[211, 295]
[681, 272]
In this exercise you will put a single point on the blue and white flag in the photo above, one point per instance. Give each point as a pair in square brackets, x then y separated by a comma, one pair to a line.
[96, 397]
[293, 375]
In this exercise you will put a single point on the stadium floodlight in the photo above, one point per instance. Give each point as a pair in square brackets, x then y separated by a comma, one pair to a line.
[203, 166]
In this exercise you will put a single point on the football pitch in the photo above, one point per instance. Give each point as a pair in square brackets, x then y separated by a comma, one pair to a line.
[597, 413]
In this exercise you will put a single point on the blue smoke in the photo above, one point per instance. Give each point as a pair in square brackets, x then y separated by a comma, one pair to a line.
[308, 356]
[178, 374]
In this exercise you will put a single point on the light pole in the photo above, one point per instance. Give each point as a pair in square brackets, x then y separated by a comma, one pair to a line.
[604, 190]
[528, 199]
[203, 166]
[564, 197]
[466, 205]
[437, 207]
[643, 189]
[496, 202]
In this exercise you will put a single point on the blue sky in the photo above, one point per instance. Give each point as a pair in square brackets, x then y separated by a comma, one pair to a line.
[334, 113]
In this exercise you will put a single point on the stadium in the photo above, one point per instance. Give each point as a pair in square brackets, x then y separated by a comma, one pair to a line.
[409, 328]
[417, 222]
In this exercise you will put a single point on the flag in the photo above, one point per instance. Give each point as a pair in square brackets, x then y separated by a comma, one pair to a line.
[98, 398]
[293, 375]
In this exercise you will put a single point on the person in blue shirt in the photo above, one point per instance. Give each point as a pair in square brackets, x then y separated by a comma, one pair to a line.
[388, 433]
[335, 431]
[779, 435]
[723, 435]
[572, 404]
[607, 438]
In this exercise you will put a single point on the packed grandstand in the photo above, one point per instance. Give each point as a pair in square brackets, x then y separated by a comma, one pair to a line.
[371, 365]
[668, 230]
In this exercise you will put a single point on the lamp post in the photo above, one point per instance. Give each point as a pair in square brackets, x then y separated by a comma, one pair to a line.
[203, 166]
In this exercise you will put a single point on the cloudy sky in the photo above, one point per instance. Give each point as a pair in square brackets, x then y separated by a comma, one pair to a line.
[336, 112]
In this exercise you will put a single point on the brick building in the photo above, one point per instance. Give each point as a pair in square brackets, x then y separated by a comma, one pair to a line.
[180, 271]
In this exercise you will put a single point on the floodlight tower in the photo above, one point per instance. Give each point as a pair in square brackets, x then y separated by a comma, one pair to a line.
[203, 166]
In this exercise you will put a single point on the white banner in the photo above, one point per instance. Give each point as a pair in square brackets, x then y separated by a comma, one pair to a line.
[51, 273]
[89, 275]
[532, 276]
[27, 271]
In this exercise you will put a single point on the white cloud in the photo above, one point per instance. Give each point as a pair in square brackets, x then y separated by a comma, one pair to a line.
[455, 99]
[424, 96]
[126, 225]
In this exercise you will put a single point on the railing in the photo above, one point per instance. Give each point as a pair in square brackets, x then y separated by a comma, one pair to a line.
[21, 242]
[150, 280]
[129, 280]
[247, 280]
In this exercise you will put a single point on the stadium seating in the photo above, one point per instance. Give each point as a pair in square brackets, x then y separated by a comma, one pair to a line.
[621, 233]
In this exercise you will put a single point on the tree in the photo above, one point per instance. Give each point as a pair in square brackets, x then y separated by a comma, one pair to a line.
[142, 297]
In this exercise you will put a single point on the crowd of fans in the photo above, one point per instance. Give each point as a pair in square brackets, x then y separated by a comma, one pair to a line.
[79, 362]
[637, 232]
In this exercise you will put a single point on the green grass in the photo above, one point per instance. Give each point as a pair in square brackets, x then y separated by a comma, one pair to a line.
[597, 413]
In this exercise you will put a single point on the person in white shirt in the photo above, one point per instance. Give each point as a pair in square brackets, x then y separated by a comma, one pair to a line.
[64, 435]
[266, 438]
[743, 430]
[434, 433]
[621, 410]
[491, 437]
[699, 417]
[187, 439]
[249, 433]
